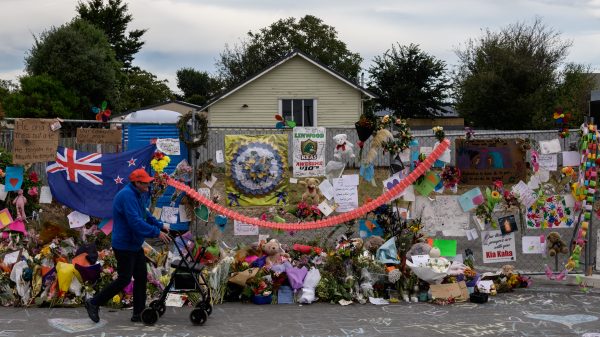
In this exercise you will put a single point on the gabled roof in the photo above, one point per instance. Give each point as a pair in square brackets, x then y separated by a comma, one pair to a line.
[151, 107]
[283, 60]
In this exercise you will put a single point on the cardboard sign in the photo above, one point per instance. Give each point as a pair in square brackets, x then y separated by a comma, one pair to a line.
[497, 247]
[34, 141]
[98, 136]
[457, 291]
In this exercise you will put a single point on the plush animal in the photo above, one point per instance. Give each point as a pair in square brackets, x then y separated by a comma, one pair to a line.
[381, 136]
[343, 148]
[20, 202]
[507, 269]
[373, 243]
[275, 254]
[555, 244]
[312, 195]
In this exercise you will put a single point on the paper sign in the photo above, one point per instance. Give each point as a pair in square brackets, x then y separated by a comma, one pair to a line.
[219, 156]
[210, 183]
[241, 228]
[325, 208]
[471, 199]
[420, 260]
[169, 146]
[446, 157]
[107, 227]
[77, 219]
[157, 212]
[98, 136]
[350, 179]
[409, 194]
[431, 180]
[5, 218]
[571, 158]
[532, 245]
[308, 151]
[447, 247]
[471, 234]
[3, 192]
[45, 195]
[13, 178]
[548, 162]
[293, 181]
[183, 216]
[368, 228]
[525, 194]
[550, 146]
[34, 141]
[326, 189]
[497, 247]
[169, 214]
[174, 300]
[346, 196]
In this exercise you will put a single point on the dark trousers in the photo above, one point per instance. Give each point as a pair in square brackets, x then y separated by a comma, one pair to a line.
[128, 264]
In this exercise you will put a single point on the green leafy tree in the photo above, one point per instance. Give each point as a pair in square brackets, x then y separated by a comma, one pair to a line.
[508, 79]
[197, 86]
[112, 18]
[409, 81]
[42, 96]
[142, 88]
[308, 34]
[79, 56]
[572, 94]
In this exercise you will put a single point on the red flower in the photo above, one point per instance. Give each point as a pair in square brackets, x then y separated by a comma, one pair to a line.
[34, 177]
[498, 185]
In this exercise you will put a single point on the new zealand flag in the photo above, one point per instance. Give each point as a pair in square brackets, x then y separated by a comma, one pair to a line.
[88, 182]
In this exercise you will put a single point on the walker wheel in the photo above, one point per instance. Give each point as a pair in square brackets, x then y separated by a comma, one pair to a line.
[205, 306]
[149, 316]
[158, 306]
[198, 316]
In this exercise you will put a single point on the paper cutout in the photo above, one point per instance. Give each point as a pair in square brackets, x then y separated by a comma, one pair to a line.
[571, 158]
[554, 213]
[202, 213]
[447, 247]
[471, 199]
[77, 219]
[550, 146]
[45, 195]
[326, 189]
[241, 228]
[13, 178]
[169, 146]
[532, 245]
[169, 214]
[368, 228]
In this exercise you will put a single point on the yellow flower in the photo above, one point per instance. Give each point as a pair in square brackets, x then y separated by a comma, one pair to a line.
[385, 119]
[437, 129]
[496, 196]
[116, 299]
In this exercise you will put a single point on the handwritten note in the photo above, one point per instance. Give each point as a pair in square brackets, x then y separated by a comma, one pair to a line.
[524, 193]
[242, 228]
[443, 214]
[98, 136]
[346, 196]
[219, 156]
[326, 189]
[548, 162]
[571, 158]
[550, 146]
[77, 219]
[169, 146]
[169, 214]
[471, 234]
[34, 141]
[45, 195]
[497, 247]
[325, 208]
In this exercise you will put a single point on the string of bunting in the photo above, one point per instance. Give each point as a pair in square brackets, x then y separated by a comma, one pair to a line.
[328, 222]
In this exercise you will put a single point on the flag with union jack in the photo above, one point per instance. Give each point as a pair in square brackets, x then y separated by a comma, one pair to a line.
[88, 182]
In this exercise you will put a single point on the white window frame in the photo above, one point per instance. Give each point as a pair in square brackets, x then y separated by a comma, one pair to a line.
[315, 110]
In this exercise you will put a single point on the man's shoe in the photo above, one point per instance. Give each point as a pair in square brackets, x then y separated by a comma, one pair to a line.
[92, 310]
[136, 318]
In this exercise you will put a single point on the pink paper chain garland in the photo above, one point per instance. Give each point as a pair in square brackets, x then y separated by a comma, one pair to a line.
[328, 222]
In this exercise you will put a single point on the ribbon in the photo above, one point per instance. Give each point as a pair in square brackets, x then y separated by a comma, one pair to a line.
[328, 222]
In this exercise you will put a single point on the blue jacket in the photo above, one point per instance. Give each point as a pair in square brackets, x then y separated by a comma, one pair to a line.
[132, 222]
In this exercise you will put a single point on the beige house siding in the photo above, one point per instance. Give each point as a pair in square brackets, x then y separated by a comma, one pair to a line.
[337, 103]
[173, 106]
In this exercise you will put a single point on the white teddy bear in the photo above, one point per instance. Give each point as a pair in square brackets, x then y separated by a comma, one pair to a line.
[343, 148]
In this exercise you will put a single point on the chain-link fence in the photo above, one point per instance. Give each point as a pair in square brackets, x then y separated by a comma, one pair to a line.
[529, 263]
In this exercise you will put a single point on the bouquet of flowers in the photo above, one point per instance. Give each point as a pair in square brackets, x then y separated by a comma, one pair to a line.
[450, 176]
[304, 211]
[485, 210]
[366, 125]
[159, 161]
[438, 132]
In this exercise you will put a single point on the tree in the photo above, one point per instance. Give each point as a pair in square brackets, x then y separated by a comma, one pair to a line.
[508, 79]
[79, 56]
[41, 96]
[572, 94]
[309, 35]
[112, 18]
[409, 81]
[141, 88]
[197, 86]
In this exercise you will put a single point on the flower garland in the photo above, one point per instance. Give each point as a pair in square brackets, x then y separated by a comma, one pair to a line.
[202, 121]
[159, 161]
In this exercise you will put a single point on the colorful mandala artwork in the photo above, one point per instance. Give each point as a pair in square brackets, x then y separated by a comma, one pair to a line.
[256, 167]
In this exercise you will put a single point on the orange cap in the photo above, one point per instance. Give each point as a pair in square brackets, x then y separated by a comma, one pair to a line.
[140, 175]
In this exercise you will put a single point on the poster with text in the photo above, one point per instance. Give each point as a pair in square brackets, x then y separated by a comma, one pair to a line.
[482, 161]
[309, 151]
[497, 247]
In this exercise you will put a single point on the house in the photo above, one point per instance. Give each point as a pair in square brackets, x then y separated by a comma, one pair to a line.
[297, 87]
[177, 106]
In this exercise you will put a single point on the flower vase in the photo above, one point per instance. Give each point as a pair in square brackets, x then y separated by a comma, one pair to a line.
[261, 299]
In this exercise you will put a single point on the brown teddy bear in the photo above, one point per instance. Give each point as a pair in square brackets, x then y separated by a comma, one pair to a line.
[312, 195]
[275, 254]
[555, 244]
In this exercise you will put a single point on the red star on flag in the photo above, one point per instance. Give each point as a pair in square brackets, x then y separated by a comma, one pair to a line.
[131, 162]
[118, 180]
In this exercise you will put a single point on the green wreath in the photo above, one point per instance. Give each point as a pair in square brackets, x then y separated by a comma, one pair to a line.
[201, 120]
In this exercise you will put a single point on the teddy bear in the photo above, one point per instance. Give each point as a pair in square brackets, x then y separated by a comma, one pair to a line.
[275, 253]
[555, 244]
[312, 195]
[20, 202]
[343, 148]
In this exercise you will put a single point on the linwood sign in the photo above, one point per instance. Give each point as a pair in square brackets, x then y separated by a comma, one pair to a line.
[98, 136]
[34, 141]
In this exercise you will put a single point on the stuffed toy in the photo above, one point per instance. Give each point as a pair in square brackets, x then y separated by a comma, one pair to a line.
[312, 195]
[507, 270]
[343, 148]
[373, 243]
[381, 137]
[555, 244]
[20, 202]
[275, 254]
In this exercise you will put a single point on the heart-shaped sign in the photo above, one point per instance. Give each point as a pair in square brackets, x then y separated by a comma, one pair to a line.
[390, 184]
[568, 320]
[13, 182]
[75, 325]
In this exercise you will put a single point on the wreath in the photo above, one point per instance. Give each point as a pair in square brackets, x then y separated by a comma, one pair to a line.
[201, 120]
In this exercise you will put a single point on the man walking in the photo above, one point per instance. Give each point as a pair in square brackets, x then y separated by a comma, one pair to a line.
[132, 223]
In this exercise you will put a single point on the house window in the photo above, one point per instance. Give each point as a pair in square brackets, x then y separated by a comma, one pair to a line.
[301, 111]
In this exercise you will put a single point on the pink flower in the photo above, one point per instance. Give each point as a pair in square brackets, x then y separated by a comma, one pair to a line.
[34, 177]
[33, 191]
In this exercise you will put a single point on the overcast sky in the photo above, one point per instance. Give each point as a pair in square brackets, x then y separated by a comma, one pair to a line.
[192, 33]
